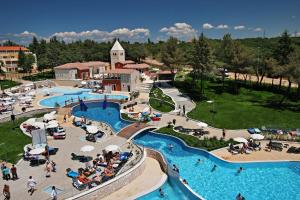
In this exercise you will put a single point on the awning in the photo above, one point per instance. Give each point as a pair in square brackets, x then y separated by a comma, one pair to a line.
[257, 136]
[240, 139]
[92, 129]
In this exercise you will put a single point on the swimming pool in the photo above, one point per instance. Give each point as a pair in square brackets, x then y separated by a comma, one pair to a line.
[110, 114]
[274, 180]
[73, 95]
[171, 190]
[62, 90]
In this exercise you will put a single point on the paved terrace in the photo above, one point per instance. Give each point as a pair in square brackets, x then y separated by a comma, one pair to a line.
[71, 144]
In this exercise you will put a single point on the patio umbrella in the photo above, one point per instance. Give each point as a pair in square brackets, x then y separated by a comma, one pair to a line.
[25, 98]
[39, 124]
[49, 117]
[53, 122]
[257, 137]
[202, 124]
[30, 121]
[240, 139]
[87, 148]
[92, 129]
[112, 148]
[37, 151]
[83, 82]
[53, 125]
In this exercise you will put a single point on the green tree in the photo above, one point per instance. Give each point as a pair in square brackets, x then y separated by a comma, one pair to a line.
[21, 59]
[281, 53]
[292, 71]
[201, 59]
[29, 61]
[171, 55]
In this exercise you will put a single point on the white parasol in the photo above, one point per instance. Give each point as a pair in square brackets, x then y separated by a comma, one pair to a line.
[30, 121]
[49, 117]
[92, 129]
[39, 124]
[52, 125]
[257, 136]
[83, 82]
[37, 151]
[240, 139]
[112, 148]
[87, 148]
[202, 124]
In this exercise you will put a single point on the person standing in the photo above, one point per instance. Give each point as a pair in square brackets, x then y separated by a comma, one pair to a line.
[6, 173]
[6, 192]
[54, 193]
[223, 133]
[31, 183]
[14, 172]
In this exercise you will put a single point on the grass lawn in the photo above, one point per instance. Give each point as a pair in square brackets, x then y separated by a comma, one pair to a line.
[126, 117]
[205, 143]
[8, 84]
[12, 141]
[40, 76]
[164, 104]
[251, 108]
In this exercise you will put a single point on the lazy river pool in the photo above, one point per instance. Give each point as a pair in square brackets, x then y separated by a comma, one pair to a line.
[265, 180]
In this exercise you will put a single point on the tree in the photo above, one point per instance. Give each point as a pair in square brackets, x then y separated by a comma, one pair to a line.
[1, 66]
[9, 43]
[225, 53]
[171, 55]
[292, 71]
[201, 59]
[281, 53]
[263, 67]
[29, 61]
[21, 59]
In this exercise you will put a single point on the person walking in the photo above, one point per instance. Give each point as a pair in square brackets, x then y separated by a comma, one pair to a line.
[223, 133]
[48, 169]
[6, 173]
[183, 109]
[6, 192]
[54, 193]
[14, 172]
[53, 165]
[31, 183]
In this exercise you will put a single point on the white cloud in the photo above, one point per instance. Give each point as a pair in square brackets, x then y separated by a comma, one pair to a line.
[180, 30]
[98, 35]
[222, 26]
[258, 29]
[207, 26]
[240, 27]
[25, 34]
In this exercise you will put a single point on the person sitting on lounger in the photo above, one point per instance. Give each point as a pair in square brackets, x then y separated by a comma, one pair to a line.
[83, 179]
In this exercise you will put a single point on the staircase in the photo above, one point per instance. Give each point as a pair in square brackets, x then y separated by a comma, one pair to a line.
[144, 87]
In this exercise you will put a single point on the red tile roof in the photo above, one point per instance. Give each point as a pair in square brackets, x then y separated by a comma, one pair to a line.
[121, 71]
[137, 66]
[81, 66]
[13, 48]
[127, 62]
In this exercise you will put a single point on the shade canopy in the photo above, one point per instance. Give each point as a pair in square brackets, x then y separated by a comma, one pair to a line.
[87, 148]
[240, 139]
[83, 82]
[257, 136]
[30, 121]
[37, 151]
[52, 125]
[92, 129]
[39, 124]
[49, 117]
[202, 124]
[112, 148]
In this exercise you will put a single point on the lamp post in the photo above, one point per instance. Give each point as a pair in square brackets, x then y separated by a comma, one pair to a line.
[212, 110]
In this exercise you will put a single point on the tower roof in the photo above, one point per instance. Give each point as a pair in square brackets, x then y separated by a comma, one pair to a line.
[117, 46]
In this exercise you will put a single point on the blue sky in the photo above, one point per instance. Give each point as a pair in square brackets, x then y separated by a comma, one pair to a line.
[136, 20]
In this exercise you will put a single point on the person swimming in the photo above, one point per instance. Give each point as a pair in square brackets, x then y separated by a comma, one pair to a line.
[170, 146]
[161, 192]
[240, 170]
[214, 168]
[198, 161]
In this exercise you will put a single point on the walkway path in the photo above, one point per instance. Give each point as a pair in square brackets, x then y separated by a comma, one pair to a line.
[179, 98]
[130, 130]
[152, 173]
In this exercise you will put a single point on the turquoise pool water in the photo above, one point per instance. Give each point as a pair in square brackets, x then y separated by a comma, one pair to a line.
[171, 190]
[110, 115]
[267, 181]
[73, 96]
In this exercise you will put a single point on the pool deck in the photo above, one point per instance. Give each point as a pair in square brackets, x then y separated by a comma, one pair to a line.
[261, 155]
[71, 144]
[152, 173]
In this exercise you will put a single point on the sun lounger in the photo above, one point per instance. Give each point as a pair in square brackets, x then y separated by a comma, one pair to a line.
[72, 174]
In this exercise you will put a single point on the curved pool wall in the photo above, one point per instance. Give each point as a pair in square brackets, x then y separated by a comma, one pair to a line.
[172, 191]
[96, 111]
[75, 96]
[259, 180]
